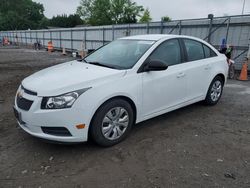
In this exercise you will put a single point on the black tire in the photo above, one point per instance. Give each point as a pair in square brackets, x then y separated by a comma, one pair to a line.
[96, 123]
[209, 101]
[231, 72]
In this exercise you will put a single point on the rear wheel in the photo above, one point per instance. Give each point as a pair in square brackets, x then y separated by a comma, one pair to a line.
[112, 122]
[215, 91]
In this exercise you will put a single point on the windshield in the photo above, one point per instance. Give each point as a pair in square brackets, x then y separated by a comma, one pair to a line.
[120, 54]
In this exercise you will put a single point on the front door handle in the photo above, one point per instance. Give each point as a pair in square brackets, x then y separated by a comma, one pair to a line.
[180, 75]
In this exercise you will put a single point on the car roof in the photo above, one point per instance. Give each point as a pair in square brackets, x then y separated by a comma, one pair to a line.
[152, 37]
[156, 37]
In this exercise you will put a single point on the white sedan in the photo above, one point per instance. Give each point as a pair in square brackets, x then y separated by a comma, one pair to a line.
[124, 82]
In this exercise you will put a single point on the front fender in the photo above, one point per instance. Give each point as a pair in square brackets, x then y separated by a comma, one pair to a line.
[91, 100]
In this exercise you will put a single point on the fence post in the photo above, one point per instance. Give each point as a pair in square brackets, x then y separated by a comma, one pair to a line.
[85, 38]
[211, 17]
[103, 35]
[21, 38]
[50, 33]
[60, 35]
[129, 31]
[113, 32]
[30, 38]
[148, 28]
[162, 26]
[180, 27]
[71, 37]
[43, 39]
[25, 35]
[228, 26]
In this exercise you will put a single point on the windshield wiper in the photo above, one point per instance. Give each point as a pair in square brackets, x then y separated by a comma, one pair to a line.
[80, 60]
[100, 64]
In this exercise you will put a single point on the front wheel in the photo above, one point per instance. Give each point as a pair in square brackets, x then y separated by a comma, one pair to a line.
[112, 122]
[215, 91]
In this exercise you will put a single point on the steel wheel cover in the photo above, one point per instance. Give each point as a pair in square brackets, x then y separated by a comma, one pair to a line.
[115, 123]
[216, 90]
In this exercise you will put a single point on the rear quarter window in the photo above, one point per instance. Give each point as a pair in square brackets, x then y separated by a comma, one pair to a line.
[208, 52]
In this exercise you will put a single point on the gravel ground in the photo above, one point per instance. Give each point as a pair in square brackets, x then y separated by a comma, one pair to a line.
[196, 146]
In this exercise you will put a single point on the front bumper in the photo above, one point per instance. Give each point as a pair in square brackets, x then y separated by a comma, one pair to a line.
[32, 121]
[35, 131]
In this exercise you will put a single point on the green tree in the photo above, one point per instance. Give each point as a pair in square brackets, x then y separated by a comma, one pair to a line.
[146, 17]
[105, 12]
[20, 14]
[101, 14]
[117, 10]
[44, 23]
[130, 12]
[84, 10]
[165, 19]
[65, 21]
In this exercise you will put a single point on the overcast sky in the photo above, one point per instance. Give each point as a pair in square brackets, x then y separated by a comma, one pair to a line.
[176, 9]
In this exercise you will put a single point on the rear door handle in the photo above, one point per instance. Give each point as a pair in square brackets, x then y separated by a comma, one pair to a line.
[180, 75]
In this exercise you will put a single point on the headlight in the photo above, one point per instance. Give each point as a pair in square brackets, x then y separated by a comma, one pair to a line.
[62, 101]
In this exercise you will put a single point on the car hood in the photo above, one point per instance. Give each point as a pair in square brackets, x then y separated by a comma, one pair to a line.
[68, 77]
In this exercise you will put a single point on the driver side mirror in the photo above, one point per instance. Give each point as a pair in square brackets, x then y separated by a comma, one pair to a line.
[155, 65]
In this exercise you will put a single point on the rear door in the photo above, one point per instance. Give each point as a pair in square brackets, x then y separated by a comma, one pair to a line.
[199, 68]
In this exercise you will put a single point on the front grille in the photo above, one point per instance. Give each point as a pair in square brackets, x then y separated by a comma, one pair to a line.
[56, 131]
[29, 91]
[23, 103]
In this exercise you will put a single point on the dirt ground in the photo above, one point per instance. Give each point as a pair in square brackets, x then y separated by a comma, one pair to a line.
[196, 146]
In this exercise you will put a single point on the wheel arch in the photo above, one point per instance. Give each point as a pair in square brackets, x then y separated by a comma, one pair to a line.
[123, 97]
[221, 75]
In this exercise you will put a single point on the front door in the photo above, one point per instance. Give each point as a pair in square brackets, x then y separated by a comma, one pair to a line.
[164, 89]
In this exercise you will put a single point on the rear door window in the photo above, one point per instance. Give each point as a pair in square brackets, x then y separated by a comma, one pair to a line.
[194, 50]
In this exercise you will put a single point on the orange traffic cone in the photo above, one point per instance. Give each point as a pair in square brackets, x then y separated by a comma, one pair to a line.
[243, 73]
[50, 46]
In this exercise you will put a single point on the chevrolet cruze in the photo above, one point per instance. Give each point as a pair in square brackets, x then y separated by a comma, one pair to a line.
[122, 83]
